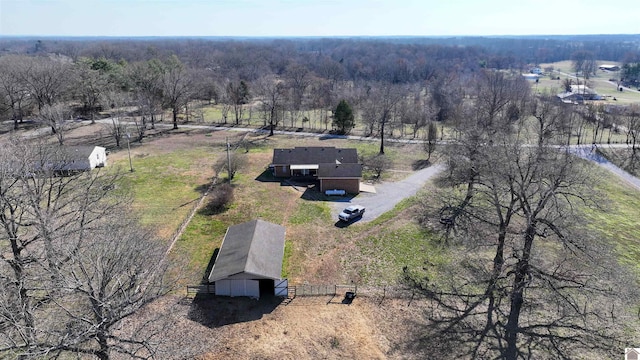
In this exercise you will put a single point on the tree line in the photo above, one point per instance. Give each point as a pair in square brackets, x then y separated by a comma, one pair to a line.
[395, 86]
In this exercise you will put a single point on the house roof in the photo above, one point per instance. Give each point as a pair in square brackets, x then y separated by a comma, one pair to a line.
[340, 171]
[255, 247]
[314, 155]
[77, 152]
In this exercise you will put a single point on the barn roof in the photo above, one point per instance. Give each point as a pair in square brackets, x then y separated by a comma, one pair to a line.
[314, 155]
[255, 247]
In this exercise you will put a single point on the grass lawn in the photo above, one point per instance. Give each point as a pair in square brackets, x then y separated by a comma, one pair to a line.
[619, 223]
[168, 179]
[165, 186]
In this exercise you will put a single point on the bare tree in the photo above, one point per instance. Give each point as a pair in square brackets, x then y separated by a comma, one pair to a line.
[298, 79]
[382, 101]
[431, 140]
[89, 83]
[46, 79]
[377, 164]
[56, 116]
[272, 91]
[235, 160]
[117, 101]
[584, 62]
[632, 123]
[116, 272]
[238, 95]
[531, 276]
[74, 268]
[12, 88]
[147, 80]
[176, 86]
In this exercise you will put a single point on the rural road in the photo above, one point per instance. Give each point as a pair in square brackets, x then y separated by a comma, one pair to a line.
[388, 194]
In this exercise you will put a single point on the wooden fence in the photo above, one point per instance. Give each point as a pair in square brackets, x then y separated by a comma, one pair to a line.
[207, 289]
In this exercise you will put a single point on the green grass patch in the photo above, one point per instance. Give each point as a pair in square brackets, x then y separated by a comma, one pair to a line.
[197, 244]
[166, 186]
[620, 222]
[286, 260]
[395, 248]
[308, 212]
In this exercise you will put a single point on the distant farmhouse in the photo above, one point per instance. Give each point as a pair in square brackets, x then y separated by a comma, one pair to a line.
[334, 168]
[579, 94]
[609, 67]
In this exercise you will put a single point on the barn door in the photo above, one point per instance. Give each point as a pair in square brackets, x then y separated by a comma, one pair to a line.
[281, 287]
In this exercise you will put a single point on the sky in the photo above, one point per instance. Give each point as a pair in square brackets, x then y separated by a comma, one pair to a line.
[324, 18]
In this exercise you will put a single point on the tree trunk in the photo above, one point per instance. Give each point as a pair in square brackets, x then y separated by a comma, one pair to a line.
[517, 295]
[175, 118]
[271, 124]
[382, 138]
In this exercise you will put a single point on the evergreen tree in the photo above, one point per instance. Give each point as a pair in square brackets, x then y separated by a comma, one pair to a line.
[343, 118]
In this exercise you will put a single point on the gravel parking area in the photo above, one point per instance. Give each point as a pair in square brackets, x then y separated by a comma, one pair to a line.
[388, 194]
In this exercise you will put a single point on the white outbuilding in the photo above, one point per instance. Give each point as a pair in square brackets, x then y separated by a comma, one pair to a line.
[83, 158]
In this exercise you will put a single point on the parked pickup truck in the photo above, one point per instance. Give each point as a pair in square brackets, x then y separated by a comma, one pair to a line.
[351, 212]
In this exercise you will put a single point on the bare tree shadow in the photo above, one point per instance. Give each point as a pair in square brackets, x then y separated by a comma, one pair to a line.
[420, 164]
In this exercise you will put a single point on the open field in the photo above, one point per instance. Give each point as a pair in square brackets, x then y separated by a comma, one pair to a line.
[600, 83]
[172, 172]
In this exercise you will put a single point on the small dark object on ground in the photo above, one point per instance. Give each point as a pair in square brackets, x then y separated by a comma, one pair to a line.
[348, 297]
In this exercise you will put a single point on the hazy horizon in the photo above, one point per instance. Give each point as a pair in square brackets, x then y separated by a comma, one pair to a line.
[313, 18]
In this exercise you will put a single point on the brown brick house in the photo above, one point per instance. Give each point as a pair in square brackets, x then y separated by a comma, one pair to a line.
[334, 168]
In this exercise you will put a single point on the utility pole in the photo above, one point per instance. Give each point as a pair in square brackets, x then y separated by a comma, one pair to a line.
[228, 160]
[129, 152]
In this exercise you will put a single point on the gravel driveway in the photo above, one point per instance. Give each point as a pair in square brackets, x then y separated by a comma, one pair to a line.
[388, 194]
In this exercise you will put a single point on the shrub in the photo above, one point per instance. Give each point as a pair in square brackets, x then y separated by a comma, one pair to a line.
[219, 199]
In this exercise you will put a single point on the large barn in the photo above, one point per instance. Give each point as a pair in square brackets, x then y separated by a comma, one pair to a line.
[249, 262]
[334, 168]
